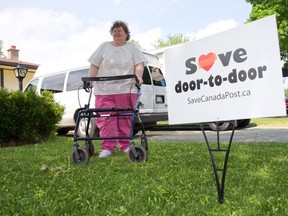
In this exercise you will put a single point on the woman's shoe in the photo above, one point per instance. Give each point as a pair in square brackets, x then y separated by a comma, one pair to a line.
[104, 153]
[126, 150]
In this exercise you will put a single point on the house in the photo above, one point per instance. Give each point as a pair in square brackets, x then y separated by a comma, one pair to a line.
[7, 76]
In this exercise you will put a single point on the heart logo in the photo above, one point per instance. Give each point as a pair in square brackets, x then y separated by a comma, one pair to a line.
[207, 61]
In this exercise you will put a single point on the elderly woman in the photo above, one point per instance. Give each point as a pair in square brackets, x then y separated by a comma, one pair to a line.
[114, 58]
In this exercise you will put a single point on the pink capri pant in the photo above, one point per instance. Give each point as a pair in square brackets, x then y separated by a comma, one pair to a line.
[115, 125]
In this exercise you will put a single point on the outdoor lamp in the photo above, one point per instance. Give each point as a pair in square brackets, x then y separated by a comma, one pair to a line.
[20, 73]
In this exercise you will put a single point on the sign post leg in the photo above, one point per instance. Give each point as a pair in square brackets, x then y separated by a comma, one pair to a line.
[212, 152]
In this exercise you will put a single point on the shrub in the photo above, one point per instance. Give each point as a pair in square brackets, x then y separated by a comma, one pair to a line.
[27, 117]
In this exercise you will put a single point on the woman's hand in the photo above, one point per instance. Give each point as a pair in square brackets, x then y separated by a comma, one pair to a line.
[140, 81]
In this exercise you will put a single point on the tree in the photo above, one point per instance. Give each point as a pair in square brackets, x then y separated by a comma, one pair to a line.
[263, 8]
[171, 40]
[1, 52]
[137, 44]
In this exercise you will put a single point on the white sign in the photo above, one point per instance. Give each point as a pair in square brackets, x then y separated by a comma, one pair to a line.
[232, 75]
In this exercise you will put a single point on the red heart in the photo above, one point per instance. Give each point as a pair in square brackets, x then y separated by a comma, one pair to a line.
[207, 61]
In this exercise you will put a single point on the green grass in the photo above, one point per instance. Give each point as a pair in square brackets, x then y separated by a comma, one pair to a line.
[270, 122]
[177, 180]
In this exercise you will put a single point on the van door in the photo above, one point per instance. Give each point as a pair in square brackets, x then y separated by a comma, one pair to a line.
[147, 93]
[74, 95]
[74, 89]
[159, 84]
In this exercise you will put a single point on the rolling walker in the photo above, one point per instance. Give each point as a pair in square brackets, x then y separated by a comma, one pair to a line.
[136, 153]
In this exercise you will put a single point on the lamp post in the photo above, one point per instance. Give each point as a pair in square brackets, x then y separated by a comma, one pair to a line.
[20, 73]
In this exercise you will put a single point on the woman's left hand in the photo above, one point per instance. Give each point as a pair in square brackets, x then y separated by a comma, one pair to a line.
[140, 81]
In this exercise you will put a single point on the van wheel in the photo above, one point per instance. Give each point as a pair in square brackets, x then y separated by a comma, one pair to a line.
[93, 130]
[63, 131]
[221, 125]
[135, 131]
[243, 123]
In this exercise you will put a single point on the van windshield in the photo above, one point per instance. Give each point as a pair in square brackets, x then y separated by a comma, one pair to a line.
[32, 85]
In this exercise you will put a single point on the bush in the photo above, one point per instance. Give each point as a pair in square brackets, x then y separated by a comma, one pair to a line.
[27, 117]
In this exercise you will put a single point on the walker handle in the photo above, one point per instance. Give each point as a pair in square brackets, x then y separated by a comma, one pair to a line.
[87, 80]
[107, 78]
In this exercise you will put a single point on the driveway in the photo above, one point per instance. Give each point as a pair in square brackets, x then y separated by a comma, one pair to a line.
[250, 134]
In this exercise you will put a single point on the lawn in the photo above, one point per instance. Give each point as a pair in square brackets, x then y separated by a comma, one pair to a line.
[177, 180]
[270, 122]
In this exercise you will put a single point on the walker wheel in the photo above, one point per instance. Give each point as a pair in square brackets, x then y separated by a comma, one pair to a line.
[90, 148]
[80, 156]
[141, 154]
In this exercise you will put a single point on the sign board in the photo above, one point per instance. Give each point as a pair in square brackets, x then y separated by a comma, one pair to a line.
[232, 75]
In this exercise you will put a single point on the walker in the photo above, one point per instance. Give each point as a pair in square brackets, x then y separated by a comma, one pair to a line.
[136, 153]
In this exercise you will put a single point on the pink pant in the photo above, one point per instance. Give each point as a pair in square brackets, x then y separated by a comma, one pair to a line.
[114, 125]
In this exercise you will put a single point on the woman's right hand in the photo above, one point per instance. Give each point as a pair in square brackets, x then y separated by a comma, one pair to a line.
[88, 86]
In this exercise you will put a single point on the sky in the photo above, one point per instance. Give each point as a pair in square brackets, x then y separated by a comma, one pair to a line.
[62, 34]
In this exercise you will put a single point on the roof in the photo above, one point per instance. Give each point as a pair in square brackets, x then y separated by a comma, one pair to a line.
[14, 63]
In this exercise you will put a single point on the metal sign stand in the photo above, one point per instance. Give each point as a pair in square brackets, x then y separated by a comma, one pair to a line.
[212, 151]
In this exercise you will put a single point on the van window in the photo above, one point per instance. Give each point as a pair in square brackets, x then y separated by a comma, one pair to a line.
[146, 77]
[54, 83]
[32, 85]
[157, 76]
[74, 79]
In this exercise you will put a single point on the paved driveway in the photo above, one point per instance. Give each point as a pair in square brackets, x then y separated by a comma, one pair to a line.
[252, 134]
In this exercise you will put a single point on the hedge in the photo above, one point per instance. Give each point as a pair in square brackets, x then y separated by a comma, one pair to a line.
[27, 117]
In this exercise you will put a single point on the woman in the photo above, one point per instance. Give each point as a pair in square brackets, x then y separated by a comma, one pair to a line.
[114, 58]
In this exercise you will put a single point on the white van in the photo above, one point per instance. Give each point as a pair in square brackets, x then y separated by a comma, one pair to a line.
[68, 91]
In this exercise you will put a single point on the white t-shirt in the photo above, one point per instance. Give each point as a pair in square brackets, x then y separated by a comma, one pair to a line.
[115, 61]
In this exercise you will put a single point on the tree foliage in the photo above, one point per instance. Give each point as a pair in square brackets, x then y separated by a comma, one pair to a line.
[171, 40]
[137, 44]
[263, 8]
[1, 50]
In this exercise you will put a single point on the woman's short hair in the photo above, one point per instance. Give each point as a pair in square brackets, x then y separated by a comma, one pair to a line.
[122, 24]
